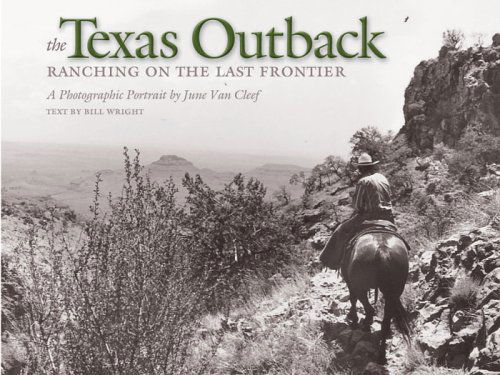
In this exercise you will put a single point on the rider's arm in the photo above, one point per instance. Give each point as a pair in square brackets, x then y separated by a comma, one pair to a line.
[361, 201]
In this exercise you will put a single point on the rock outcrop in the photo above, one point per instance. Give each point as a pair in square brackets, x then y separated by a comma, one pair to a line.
[457, 90]
[457, 308]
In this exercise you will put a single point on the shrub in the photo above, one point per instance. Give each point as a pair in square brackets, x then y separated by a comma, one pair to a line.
[411, 297]
[463, 294]
[453, 39]
[282, 349]
[475, 150]
[402, 184]
[235, 232]
[435, 215]
[123, 302]
[414, 359]
[416, 363]
[282, 196]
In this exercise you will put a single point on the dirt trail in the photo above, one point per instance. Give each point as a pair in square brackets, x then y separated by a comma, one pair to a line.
[330, 305]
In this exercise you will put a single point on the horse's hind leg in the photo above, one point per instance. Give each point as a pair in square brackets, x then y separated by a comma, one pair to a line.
[352, 316]
[369, 312]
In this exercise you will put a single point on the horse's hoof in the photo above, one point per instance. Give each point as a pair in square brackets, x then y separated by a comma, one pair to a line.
[366, 327]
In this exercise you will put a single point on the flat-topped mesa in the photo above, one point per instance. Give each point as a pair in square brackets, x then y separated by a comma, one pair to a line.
[172, 161]
[458, 90]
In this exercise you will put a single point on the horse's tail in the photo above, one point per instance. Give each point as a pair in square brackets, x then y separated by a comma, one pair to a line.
[400, 316]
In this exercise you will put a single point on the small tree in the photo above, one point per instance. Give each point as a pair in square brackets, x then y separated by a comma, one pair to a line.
[298, 178]
[282, 195]
[336, 166]
[478, 40]
[372, 141]
[453, 39]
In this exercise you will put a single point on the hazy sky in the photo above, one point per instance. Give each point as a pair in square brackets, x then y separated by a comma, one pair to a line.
[305, 117]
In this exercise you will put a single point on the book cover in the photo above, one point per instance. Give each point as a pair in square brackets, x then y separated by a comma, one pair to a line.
[235, 187]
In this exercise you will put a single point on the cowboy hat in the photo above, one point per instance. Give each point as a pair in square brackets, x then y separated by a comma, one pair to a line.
[365, 160]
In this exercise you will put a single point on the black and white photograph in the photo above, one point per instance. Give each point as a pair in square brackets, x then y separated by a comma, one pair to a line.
[230, 187]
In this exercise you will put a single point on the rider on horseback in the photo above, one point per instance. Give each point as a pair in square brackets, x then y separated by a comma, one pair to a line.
[371, 201]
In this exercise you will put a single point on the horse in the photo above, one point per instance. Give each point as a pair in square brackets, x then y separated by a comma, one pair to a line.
[378, 260]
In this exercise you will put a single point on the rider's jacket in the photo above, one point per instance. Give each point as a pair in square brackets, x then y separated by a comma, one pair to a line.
[373, 196]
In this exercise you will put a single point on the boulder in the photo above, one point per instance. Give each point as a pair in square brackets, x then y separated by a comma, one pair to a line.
[283, 311]
[459, 348]
[490, 287]
[496, 40]
[478, 371]
[491, 316]
[312, 216]
[489, 356]
[431, 312]
[491, 263]
[344, 201]
[464, 241]
[316, 228]
[14, 355]
[301, 304]
[320, 238]
[426, 260]
[434, 337]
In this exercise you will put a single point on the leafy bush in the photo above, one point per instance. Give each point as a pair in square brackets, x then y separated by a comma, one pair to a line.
[475, 150]
[411, 297]
[235, 231]
[414, 359]
[453, 39]
[284, 351]
[295, 349]
[123, 302]
[402, 184]
[436, 215]
[41, 308]
[371, 140]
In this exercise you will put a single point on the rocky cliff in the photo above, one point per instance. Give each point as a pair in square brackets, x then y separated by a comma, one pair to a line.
[448, 94]
[456, 298]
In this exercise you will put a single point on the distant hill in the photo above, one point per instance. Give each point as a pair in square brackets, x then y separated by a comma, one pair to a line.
[39, 175]
[274, 176]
